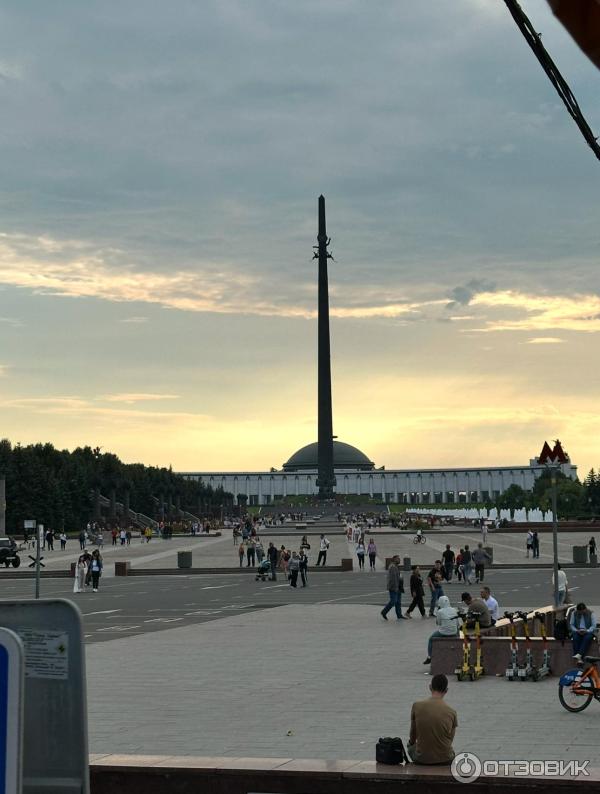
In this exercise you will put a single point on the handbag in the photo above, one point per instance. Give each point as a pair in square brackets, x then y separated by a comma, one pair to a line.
[391, 751]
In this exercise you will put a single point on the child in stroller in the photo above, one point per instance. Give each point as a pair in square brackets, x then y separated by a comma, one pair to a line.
[263, 571]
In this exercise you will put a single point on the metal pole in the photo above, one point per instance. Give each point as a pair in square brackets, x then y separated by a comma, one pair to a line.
[37, 562]
[554, 536]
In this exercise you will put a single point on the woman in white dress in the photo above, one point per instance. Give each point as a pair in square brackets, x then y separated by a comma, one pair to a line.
[80, 571]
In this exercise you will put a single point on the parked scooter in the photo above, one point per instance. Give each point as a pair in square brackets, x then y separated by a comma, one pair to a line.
[477, 670]
[544, 669]
[463, 672]
[526, 671]
[512, 672]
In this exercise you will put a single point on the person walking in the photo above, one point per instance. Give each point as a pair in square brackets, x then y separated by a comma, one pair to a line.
[294, 568]
[303, 567]
[273, 555]
[467, 564]
[592, 547]
[417, 592]
[480, 557]
[535, 547]
[260, 552]
[250, 553]
[241, 553]
[123, 537]
[113, 535]
[563, 585]
[529, 542]
[484, 531]
[323, 548]
[128, 537]
[80, 572]
[447, 624]
[360, 553]
[50, 540]
[434, 582]
[63, 540]
[395, 586]
[82, 539]
[448, 559]
[458, 569]
[96, 569]
[372, 552]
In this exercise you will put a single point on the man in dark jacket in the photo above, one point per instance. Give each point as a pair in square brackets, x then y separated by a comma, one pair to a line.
[395, 587]
[417, 592]
[448, 558]
[273, 554]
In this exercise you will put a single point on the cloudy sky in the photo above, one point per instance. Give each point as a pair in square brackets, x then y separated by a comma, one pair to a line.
[159, 171]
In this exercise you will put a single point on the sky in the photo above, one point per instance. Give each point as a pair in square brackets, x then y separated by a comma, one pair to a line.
[160, 165]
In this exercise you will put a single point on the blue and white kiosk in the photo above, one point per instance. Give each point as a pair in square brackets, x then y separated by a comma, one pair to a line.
[12, 666]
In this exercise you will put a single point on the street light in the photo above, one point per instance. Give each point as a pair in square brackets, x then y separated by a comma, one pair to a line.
[554, 534]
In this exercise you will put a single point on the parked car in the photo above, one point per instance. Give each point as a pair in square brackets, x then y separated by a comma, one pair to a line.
[9, 553]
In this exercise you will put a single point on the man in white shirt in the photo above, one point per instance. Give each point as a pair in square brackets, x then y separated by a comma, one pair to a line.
[323, 546]
[491, 603]
[562, 585]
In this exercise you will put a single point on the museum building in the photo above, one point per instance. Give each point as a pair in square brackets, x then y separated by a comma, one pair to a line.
[356, 475]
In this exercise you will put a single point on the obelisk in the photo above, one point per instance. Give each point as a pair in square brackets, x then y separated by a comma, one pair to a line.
[326, 476]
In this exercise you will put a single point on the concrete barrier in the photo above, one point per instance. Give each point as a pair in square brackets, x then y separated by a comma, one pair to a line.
[447, 654]
[122, 774]
[122, 568]
[347, 564]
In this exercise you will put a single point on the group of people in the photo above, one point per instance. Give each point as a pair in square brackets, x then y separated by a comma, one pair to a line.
[483, 608]
[88, 571]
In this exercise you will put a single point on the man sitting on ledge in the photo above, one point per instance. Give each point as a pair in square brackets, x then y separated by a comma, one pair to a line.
[432, 727]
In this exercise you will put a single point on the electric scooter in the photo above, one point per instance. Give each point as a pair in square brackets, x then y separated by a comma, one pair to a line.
[512, 672]
[464, 671]
[477, 670]
[526, 671]
[544, 669]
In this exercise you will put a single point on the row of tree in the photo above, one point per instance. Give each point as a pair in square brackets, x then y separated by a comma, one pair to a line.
[574, 499]
[60, 488]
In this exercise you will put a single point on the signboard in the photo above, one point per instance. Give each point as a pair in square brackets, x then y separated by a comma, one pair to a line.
[55, 755]
[29, 523]
[11, 712]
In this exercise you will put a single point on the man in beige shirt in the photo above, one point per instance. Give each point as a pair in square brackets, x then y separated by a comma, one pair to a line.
[432, 727]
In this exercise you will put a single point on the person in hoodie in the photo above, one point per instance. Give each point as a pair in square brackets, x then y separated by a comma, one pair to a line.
[447, 623]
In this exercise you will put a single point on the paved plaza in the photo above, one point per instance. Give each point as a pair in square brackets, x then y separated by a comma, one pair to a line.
[314, 681]
[220, 552]
[223, 665]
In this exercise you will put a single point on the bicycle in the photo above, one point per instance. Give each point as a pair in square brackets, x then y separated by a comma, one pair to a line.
[577, 688]
[419, 539]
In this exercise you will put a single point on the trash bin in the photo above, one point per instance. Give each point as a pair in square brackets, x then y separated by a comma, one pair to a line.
[580, 555]
[406, 565]
[489, 550]
[184, 559]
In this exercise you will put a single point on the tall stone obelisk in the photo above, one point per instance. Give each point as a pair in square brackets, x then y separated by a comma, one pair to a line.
[326, 476]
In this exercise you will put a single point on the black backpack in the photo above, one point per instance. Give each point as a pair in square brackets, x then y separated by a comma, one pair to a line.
[391, 751]
[561, 630]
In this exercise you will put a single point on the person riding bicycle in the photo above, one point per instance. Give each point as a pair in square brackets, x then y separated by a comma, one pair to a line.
[420, 534]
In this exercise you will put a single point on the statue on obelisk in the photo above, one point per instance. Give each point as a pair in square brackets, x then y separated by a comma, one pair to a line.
[326, 477]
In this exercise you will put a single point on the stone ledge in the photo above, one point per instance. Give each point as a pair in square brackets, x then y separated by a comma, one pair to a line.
[124, 774]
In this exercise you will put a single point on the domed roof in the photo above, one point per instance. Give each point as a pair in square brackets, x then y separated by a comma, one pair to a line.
[345, 456]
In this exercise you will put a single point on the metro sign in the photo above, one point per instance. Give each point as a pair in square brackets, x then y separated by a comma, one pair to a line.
[11, 712]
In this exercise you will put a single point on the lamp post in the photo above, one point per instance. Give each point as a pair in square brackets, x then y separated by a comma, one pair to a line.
[554, 534]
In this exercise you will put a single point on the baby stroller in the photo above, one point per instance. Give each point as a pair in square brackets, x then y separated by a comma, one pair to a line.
[263, 571]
